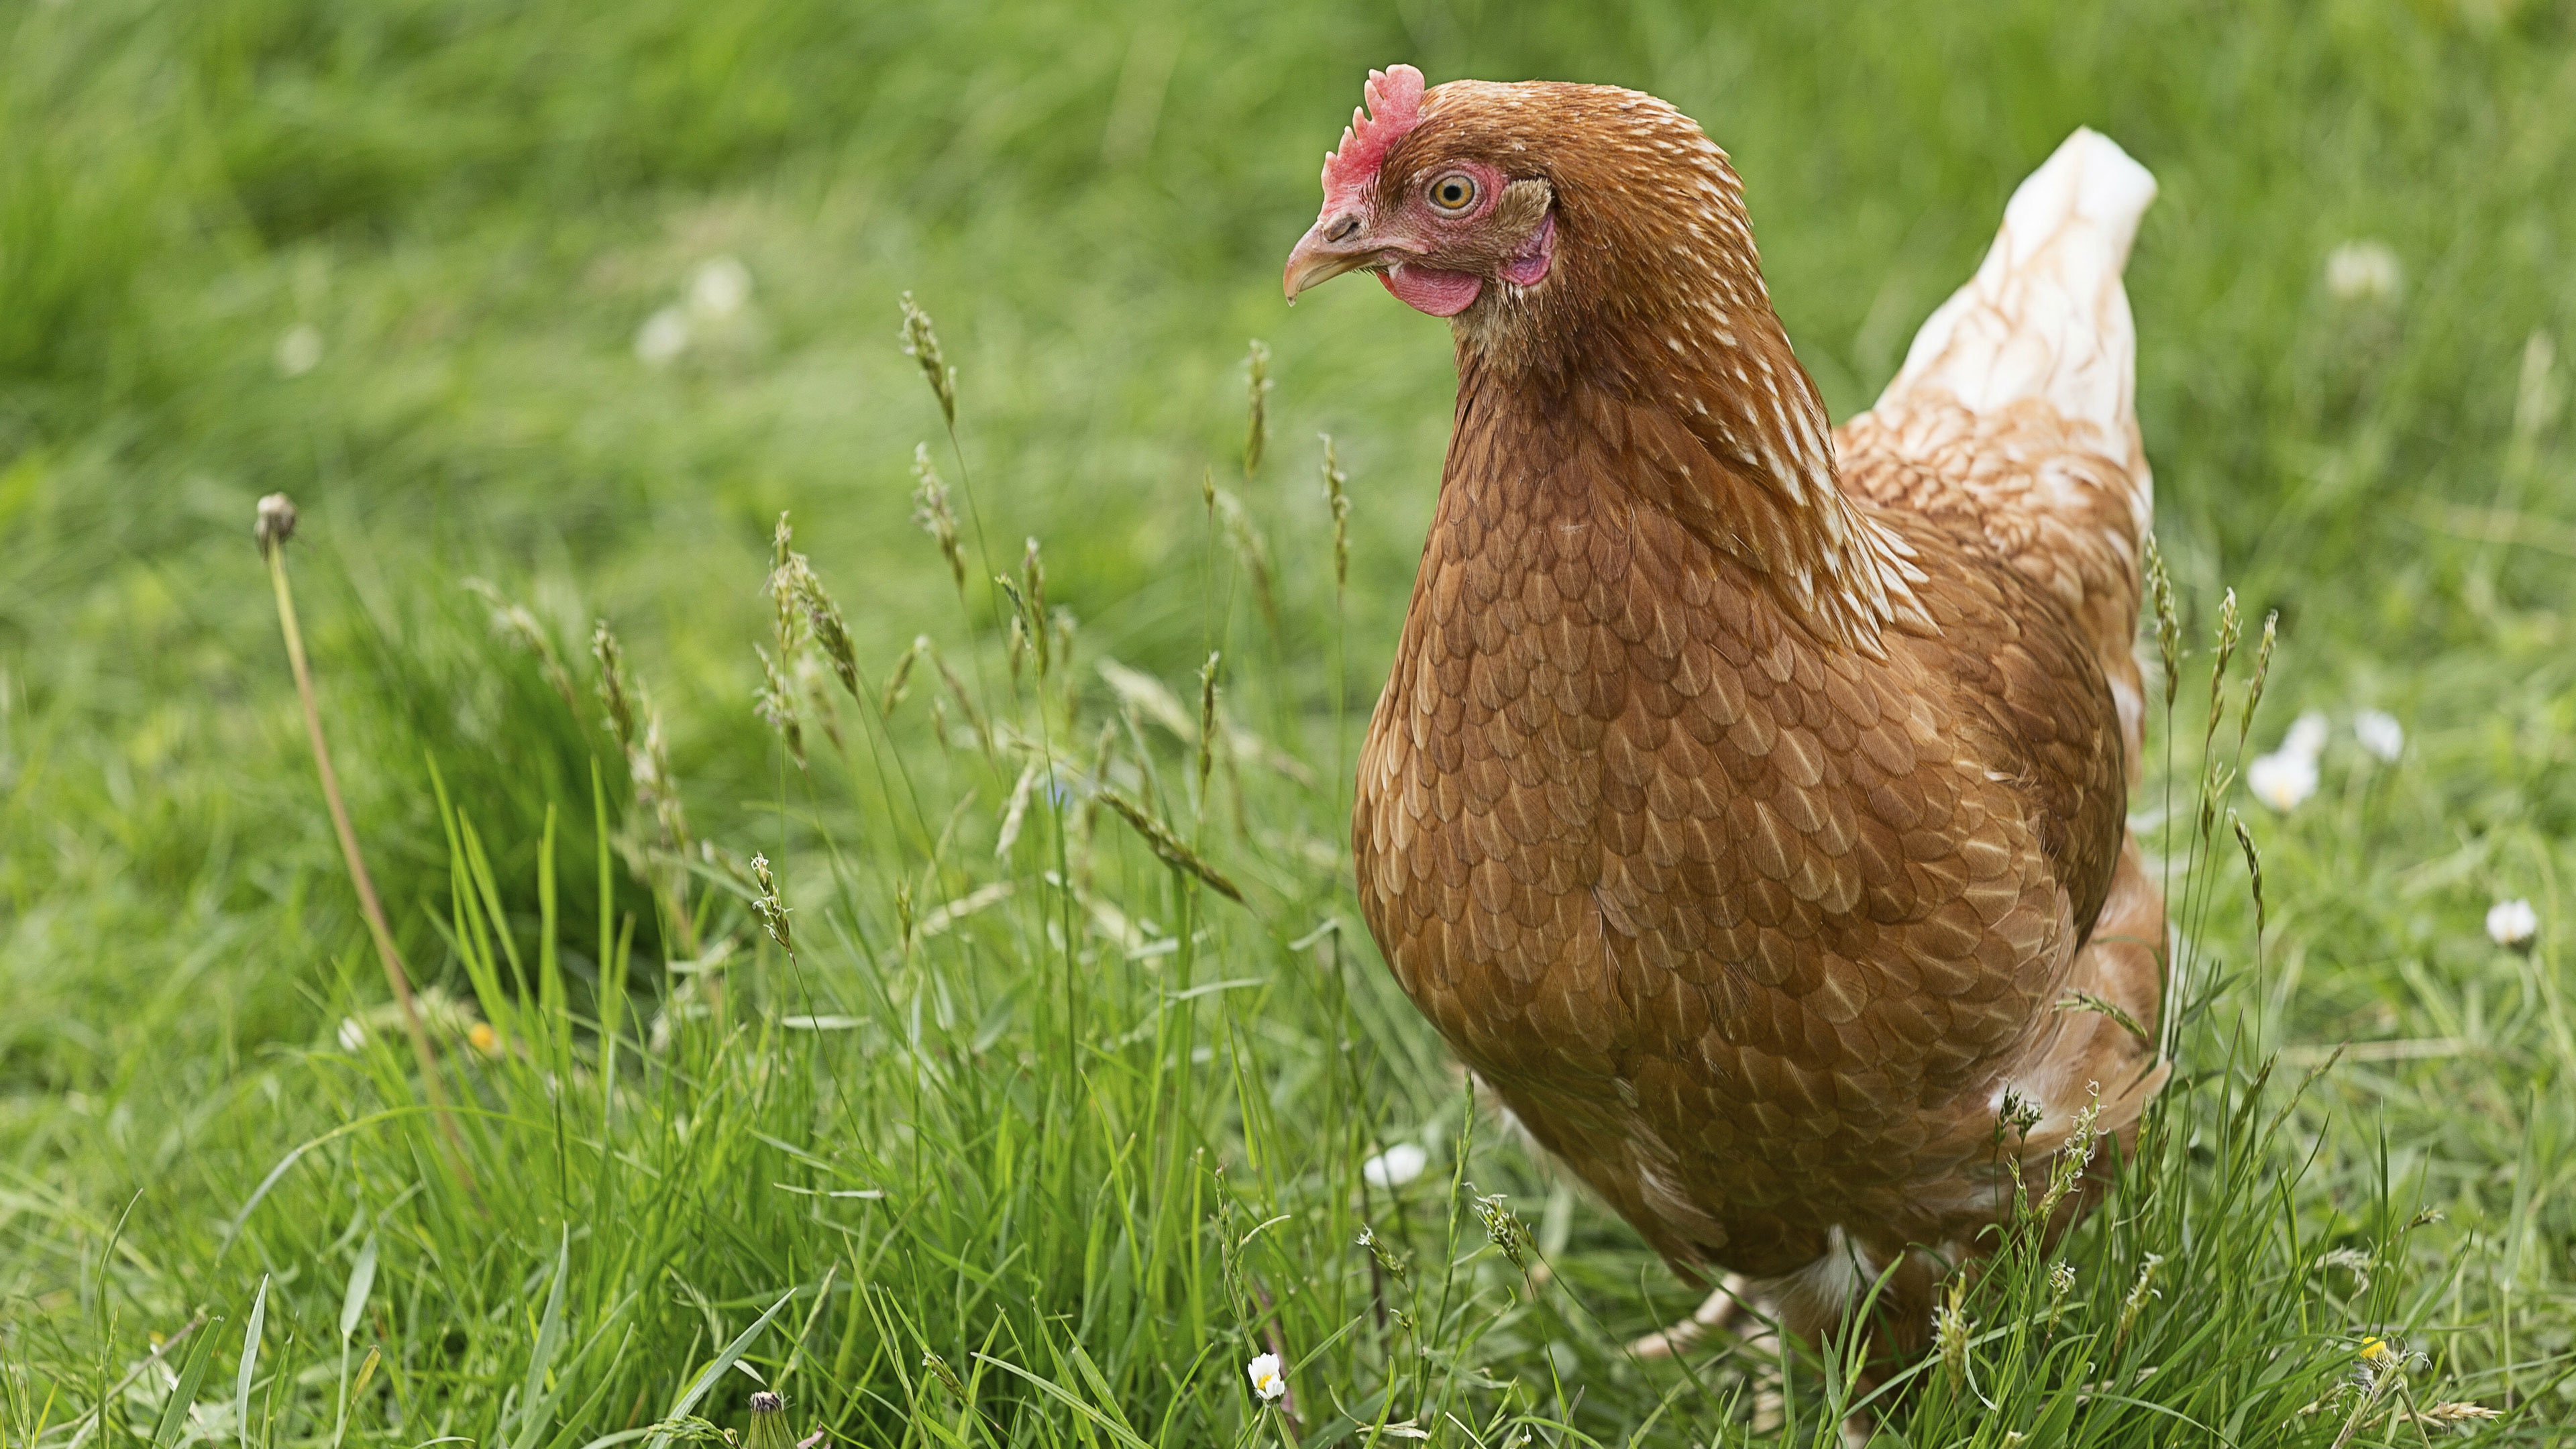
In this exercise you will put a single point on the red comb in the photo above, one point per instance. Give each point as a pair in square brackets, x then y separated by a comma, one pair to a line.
[1394, 105]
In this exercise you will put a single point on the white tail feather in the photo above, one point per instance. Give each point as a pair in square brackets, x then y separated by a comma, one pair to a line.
[2045, 316]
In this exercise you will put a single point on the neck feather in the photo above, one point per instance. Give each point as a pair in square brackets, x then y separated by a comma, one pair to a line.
[1655, 331]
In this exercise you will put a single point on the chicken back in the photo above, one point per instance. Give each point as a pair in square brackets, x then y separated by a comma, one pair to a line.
[1747, 798]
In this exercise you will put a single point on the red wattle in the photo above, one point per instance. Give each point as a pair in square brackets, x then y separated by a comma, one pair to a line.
[1425, 289]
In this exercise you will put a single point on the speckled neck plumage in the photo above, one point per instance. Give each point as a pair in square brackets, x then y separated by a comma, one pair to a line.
[1655, 323]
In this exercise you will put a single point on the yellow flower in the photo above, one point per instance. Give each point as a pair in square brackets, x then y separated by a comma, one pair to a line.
[483, 1038]
[2373, 1350]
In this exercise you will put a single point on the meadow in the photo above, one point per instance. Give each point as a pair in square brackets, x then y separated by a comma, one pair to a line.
[874, 866]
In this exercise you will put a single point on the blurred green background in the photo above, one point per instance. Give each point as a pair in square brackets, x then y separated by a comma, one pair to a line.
[578, 298]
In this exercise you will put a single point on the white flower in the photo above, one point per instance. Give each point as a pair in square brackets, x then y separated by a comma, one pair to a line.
[353, 1033]
[2283, 778]
[1396, 1166]
[2380, 733]
[2364, 269]
[663, 337]
[719, 288]
[2512, 923]
[1268, 1379]
[299, 350]
[2307, 736]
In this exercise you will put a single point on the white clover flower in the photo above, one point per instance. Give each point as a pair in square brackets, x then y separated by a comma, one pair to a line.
[353, 1033]
[2380, 733]
[719, 288]
[299, 350]
[1269, 1380]
[1396, 1166]
[2365, 269]
[2307, 736]
[2283, 778]
[2512, 924]
[663, 337]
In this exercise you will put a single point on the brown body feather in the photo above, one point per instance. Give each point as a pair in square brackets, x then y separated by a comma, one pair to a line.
[1741, 814]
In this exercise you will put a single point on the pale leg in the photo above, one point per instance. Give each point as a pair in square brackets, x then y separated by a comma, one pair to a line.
[1714, 1313]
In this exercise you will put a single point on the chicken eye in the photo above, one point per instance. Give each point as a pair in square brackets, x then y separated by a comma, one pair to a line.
[1453, 193]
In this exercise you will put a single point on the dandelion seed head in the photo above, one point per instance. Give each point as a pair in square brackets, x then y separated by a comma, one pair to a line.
[276, 521]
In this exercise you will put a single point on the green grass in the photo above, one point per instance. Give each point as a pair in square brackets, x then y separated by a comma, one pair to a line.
[1118, 1127]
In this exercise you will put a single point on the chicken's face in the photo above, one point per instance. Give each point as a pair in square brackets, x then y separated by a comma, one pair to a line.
[1439, 218]
[1556, 225]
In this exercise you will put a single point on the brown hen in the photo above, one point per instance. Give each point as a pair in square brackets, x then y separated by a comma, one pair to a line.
[1748, 796]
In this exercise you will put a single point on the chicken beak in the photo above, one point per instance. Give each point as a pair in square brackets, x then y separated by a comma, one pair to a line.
[1333, 245]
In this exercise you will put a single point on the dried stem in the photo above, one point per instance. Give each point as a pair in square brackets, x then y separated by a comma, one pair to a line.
[276, 526]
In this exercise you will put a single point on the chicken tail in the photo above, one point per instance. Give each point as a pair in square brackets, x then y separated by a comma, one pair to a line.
[2015, 409]
[2045, 316]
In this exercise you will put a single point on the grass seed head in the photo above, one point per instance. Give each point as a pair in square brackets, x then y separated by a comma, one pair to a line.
[1256, 427]
[1335, 482]
[1207, 721]
[1064, 630]
[930, 509]
[776, 706]
[613, 692]
[1033, 601]
[2019, 1114]
[921, 344]
[1503, 1227]
[830, 630]
[2353, 1261]
[965, 702]
[899, 680]
[940, 1370]
[2253, 865]
[2229, 625]
[1251, 553]
[1386, 1258]
[1171, 849]
[2061, 1282]
[1950, 1328]
[773, 909]
[2081, 1137]
[2262, 671]
[2168, 618]
[1016, 812]
[2139, 1293]
[513, 621]
[2101, 1005]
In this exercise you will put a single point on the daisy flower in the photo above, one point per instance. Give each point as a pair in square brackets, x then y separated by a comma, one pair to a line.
[1269, 1379]
[2512, 924]
[1396, 1166]
[2380, 733]
[2282, 779]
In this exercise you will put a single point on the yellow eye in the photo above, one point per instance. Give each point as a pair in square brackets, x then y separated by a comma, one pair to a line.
[1453, 193]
